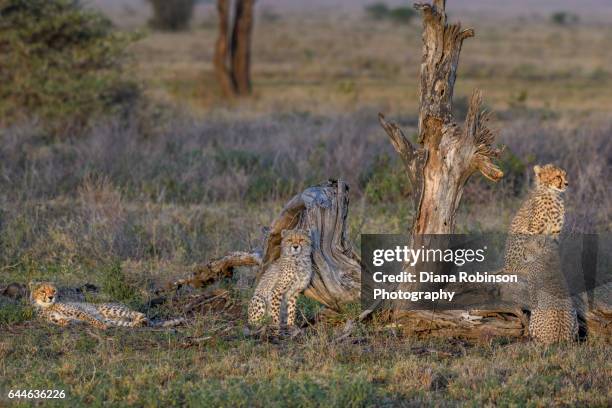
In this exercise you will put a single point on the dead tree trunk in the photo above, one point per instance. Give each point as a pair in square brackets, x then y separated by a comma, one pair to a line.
[323, 210]
[449, 154]
[232, 60]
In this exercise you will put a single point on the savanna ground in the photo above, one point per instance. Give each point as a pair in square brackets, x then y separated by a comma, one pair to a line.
[134, 203]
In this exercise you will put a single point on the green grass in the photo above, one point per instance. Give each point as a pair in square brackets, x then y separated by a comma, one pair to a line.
[145, 368]
[14, 312]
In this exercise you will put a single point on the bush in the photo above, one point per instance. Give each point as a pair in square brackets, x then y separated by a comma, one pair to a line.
[59, 62]
[377, 11]
[564, 18]
[14, 312]
[171, 15]
[380, 11]
[401, 14]
[385, 180]
[116, 284]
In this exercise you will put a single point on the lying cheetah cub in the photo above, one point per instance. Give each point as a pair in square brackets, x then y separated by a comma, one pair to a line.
[541, 213]
[553, 316]
[278, 289]
[44, 297]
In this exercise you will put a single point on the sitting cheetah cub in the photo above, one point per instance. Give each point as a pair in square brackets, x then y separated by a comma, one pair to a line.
[278, 290]
[553, 316]
[44, 297]
[542, 212]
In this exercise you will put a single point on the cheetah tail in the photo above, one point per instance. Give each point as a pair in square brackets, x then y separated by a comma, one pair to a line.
[123, 323]
[167, 323]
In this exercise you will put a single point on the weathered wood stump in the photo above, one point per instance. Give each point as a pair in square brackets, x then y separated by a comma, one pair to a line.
[323, 210]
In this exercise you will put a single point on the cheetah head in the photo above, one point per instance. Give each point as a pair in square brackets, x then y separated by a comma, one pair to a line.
[551, 177]
[295, 242]
[43, 294]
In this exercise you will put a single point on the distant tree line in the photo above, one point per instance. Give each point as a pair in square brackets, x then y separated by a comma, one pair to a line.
[171, 15]
[564, 18]
[381, 11]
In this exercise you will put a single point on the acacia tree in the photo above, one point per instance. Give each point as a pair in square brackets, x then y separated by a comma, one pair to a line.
[232, 58]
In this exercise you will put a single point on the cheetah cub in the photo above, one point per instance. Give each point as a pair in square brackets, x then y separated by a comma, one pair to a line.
[542, 212]
[44, 297]
[278, 290]
[553, 316]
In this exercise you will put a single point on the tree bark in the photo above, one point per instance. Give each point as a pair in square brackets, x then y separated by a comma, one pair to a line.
[323, 210]
[232, 59]
[221, 58]
[218, 268]
[241, 46]
[448, 154]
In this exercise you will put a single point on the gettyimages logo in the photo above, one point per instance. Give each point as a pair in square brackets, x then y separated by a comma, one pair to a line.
[437, 272]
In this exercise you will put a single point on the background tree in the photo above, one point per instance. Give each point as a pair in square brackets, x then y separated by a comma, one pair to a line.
[232, 58]
[171, 15]
[380, 11]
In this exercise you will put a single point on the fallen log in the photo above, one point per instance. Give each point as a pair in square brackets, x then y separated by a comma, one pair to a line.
[218, 268]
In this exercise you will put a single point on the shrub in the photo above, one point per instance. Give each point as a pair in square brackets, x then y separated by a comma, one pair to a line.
[171, 15]
[385, 181]
[377, 11]
[116, 284]
[60, 62]
[564, 18]
[401, 14]
[14, 312]
[380, 11]
[515, 170]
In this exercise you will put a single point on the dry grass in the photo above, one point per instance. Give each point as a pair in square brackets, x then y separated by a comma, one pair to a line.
[325, 63]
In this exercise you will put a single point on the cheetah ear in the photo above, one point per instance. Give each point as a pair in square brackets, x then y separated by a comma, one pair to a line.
[537, 169]
[284, 233]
